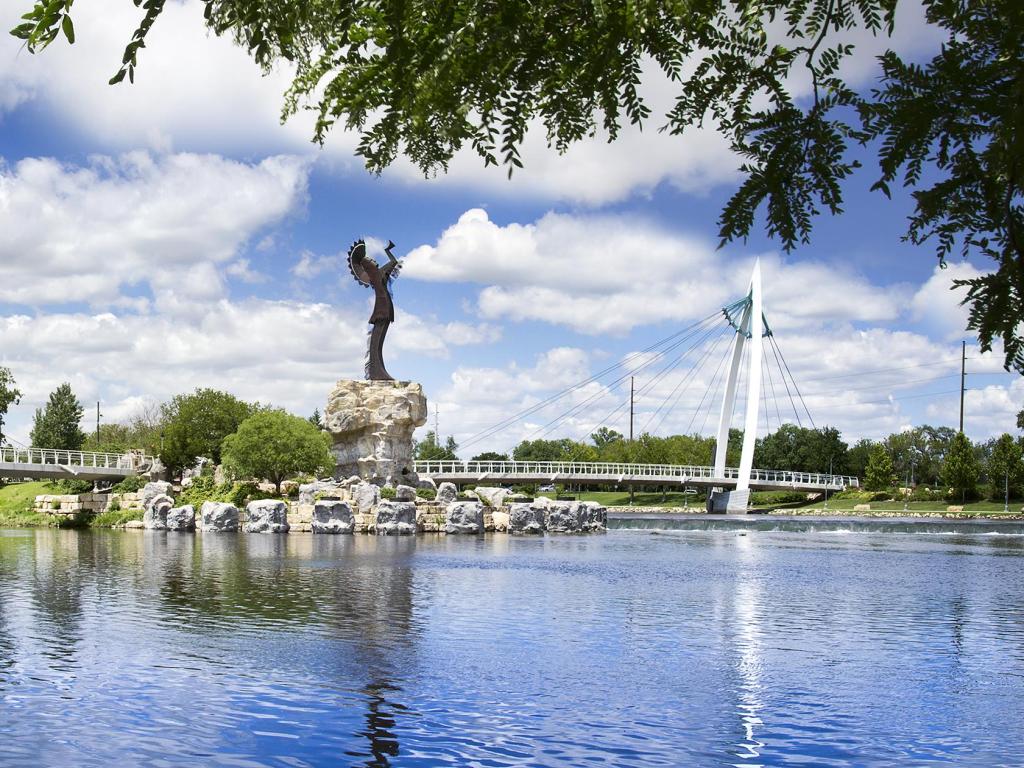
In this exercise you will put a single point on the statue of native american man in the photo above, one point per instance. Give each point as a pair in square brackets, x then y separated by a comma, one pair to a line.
[367, 272]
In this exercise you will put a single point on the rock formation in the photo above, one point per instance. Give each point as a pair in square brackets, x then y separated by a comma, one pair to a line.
[371, 423]
[266, 516]
[218, 516]
[464, 517]
[446, 493]
[396, 518]
[526, 518]
[181, 518]
[332, 517]
[155, 516]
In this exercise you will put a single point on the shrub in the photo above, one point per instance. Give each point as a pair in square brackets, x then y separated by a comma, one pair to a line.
[74, 487]
[387, 492]
[130, 484]
[426, 493]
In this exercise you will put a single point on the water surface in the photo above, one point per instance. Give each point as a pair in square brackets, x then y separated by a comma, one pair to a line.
[637, 648]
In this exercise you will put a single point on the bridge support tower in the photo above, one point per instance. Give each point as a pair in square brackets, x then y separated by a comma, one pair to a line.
[750, 327]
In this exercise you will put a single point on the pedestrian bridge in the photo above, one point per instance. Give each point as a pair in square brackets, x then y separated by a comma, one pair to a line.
[604, 473]
[45, 464]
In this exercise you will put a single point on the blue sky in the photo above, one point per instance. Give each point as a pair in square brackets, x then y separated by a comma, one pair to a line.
[172, 234]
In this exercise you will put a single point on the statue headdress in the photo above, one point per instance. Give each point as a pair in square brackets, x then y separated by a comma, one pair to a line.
[356, 254]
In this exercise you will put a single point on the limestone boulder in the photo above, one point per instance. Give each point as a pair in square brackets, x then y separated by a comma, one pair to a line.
[396, 518]
[426, 483]
[492, 497]
[526, 518]
[446, 493]
[218, 516]
[593, 516]
[365, 496]
[151, 490]
[309, 491]
[371, 425]
[181, 518]
[464, 517]
[266, 516]
[405, 493]
[155, 516]
[332, 517]
[563, 517]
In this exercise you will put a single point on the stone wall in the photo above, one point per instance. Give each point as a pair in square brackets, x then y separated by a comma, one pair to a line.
[68, 505]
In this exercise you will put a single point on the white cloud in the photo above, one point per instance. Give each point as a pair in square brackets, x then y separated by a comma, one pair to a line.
[242, 270]
[937, 305]
[86, 233]
[310, 265]
[611, 273]
[283, 352]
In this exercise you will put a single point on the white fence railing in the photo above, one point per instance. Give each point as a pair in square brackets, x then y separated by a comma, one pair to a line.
[616, 472]
[122, 461]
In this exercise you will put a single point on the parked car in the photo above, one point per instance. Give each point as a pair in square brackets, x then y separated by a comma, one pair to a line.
[546, 488]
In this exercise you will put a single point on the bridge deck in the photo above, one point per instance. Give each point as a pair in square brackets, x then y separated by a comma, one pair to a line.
[42, 464]
[602, 473]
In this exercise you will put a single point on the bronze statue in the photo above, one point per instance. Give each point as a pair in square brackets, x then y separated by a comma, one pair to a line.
[366, 272]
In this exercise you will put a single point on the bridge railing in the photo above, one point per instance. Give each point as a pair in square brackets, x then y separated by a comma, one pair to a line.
[614, 471]
[125, 461]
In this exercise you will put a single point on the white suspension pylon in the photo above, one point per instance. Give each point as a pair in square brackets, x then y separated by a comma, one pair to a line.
[750, 327]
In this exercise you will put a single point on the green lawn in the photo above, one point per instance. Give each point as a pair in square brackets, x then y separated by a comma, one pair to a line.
[655, 499]
[16, 505]
[641, 499]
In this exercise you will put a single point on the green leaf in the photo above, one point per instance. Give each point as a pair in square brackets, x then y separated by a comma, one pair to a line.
[69, 29]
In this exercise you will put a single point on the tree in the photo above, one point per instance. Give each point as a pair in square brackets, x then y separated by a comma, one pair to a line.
[424, 79]
[1020, 419]
[1005, 466]
[603, 437]
[195, 425]
[879, 474]
[857, 457]
[274, 445]
[315, 418]
[9, 395]
[490, 456]
[960, 472]
[57, 424]
[564, 449]
[801, 449]
[429, 449]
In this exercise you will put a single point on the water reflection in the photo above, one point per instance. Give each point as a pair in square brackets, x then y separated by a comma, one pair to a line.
[746, 617]
[630, 650]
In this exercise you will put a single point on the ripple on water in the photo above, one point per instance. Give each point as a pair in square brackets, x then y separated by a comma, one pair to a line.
[631, 649]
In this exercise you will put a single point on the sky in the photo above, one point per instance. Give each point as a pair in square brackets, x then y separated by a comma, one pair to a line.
[173, 234]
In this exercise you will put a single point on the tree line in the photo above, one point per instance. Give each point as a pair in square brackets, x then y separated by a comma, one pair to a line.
[251, 440]
[923, 457]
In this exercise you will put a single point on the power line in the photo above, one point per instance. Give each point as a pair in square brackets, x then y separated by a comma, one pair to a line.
[504, 423]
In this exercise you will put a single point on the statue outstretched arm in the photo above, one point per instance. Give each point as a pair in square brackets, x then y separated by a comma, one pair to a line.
[392, 261]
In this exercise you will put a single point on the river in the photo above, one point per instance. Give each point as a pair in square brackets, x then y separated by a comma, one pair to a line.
[641, 647]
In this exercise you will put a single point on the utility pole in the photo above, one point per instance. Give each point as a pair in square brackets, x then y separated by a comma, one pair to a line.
[963, 376]
[437, 429]
[97, 423]
[631, 409]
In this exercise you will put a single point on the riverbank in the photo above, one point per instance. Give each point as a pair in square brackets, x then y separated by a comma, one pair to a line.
[16, 510]
[888, 512]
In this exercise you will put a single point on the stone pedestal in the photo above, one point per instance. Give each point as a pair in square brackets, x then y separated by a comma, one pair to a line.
[371, 423]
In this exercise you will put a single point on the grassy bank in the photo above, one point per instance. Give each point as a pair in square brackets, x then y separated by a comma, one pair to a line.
[16, 502]
[838, 506]
[16, 505]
